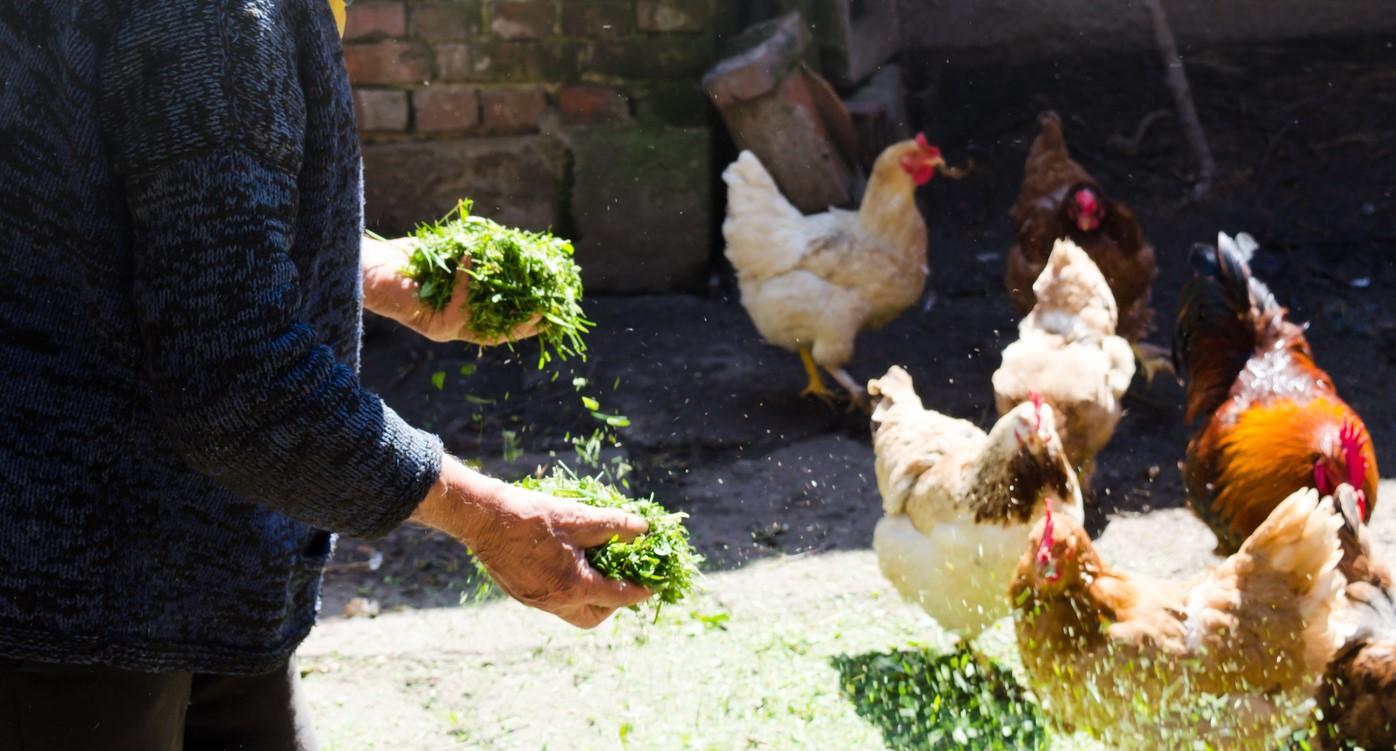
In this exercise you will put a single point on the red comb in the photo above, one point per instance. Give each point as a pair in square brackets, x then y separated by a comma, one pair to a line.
[926, 146]
[1036, 398]
[1044, 548]
[1352, 441]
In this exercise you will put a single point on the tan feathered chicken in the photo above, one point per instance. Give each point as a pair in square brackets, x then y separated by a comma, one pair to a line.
[1145, 664]
[959, 503]
[811, 283]
[1059, 198]
[1357, 700]
[1068, 352]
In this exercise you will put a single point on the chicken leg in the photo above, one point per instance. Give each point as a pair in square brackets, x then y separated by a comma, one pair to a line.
[858, 397]
[816, 387]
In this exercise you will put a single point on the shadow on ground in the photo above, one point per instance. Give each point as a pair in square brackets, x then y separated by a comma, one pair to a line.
[923, 701]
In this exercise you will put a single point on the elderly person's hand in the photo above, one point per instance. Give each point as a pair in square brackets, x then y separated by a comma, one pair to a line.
[388, 293]
[534, 545]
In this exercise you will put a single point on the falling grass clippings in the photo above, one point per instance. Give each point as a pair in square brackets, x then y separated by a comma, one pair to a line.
[515, 277]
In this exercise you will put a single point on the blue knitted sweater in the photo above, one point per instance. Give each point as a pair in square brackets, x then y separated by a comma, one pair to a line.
[180, 303]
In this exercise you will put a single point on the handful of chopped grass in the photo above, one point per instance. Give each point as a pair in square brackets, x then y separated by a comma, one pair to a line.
[515, 277]
[661, 559]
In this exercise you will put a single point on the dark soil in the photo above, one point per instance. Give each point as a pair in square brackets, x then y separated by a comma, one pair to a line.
[1303, 137]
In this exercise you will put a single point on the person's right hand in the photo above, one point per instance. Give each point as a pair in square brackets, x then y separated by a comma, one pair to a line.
[534, 545]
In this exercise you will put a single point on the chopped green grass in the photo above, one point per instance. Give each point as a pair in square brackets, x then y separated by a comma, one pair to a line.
[661, 560]
[515, 277]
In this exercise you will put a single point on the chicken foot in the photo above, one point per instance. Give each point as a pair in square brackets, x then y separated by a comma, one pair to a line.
[1152, 358]
[858, 397]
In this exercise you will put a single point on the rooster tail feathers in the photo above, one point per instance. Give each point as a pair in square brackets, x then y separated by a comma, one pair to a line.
[762, 228]
[1217, 322]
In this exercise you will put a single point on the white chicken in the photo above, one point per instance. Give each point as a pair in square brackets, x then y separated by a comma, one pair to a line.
[1068, 352]
[959, 503]
[811, 283]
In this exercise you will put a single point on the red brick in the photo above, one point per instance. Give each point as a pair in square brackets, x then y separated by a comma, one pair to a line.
[380, 109]
[446, 107]
[522, 19]
[441, 22]
[512, 110]
[673, 15]
[375, 21]
[387, 63]
[452, 62]
[600, 19]
[591, 105]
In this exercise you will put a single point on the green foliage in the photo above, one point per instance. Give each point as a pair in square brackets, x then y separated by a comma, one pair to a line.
[922, 701]
[515, 277]
[662, 559]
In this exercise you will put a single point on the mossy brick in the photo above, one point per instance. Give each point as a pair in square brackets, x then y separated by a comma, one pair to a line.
[446, 22]
[493, 60]
[373, 21]
[665, 56]
[673, 15]
[515, 180]
[382, 63]
[641, 206]
[672, 102]
[522, 19]
[598, 19]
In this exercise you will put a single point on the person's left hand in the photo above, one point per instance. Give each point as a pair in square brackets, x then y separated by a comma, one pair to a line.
[387, 292]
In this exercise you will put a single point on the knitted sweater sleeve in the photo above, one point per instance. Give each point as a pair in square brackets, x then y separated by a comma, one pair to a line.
[206, 120]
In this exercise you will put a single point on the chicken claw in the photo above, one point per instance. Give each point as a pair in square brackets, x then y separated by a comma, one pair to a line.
[857, 397]
[816, 387]
[1153, 358]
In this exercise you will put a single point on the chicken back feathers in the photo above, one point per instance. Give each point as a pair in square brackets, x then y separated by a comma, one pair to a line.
[1042, 215]
[1272, 421]
[958, 502]
[816, 281]
[1068, 352]
[1135, 661]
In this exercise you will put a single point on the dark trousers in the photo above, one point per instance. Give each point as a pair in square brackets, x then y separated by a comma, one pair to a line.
[46, 707]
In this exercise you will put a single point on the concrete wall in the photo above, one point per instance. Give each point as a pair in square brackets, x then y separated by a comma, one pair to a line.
[1025, 29]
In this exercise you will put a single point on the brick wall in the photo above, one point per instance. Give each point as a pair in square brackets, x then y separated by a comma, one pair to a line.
[583, 116]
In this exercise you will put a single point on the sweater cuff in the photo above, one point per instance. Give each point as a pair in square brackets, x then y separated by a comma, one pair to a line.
[419, 455]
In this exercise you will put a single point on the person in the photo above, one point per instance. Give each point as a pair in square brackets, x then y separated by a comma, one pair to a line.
[181, 423]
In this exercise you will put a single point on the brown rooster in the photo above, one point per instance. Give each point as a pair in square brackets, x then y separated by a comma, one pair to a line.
[1357, 699]
[1059, 199]
[1272, 419]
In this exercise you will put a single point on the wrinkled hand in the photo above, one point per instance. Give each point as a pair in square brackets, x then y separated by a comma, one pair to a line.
[389, 293]
[535, 545]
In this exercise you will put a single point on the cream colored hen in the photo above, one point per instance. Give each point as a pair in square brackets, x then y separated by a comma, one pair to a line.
[1144, 664]
[1068, 352]
[811, 283]
[959, 503]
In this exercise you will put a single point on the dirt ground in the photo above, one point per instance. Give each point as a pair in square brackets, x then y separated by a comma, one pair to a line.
[1303, 139]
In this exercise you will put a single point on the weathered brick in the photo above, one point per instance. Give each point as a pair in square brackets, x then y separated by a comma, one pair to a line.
[680, 103]
[380, 109]
[642, 207]
[515, 109]
[446, 22]
[673, 15]
[515, 180]
[446, 107]
[375, 21]
[592, 105]
[562, 60]
[522, 19]
[452, 62]
[387, 62]
[598, 19]
[653, 57]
